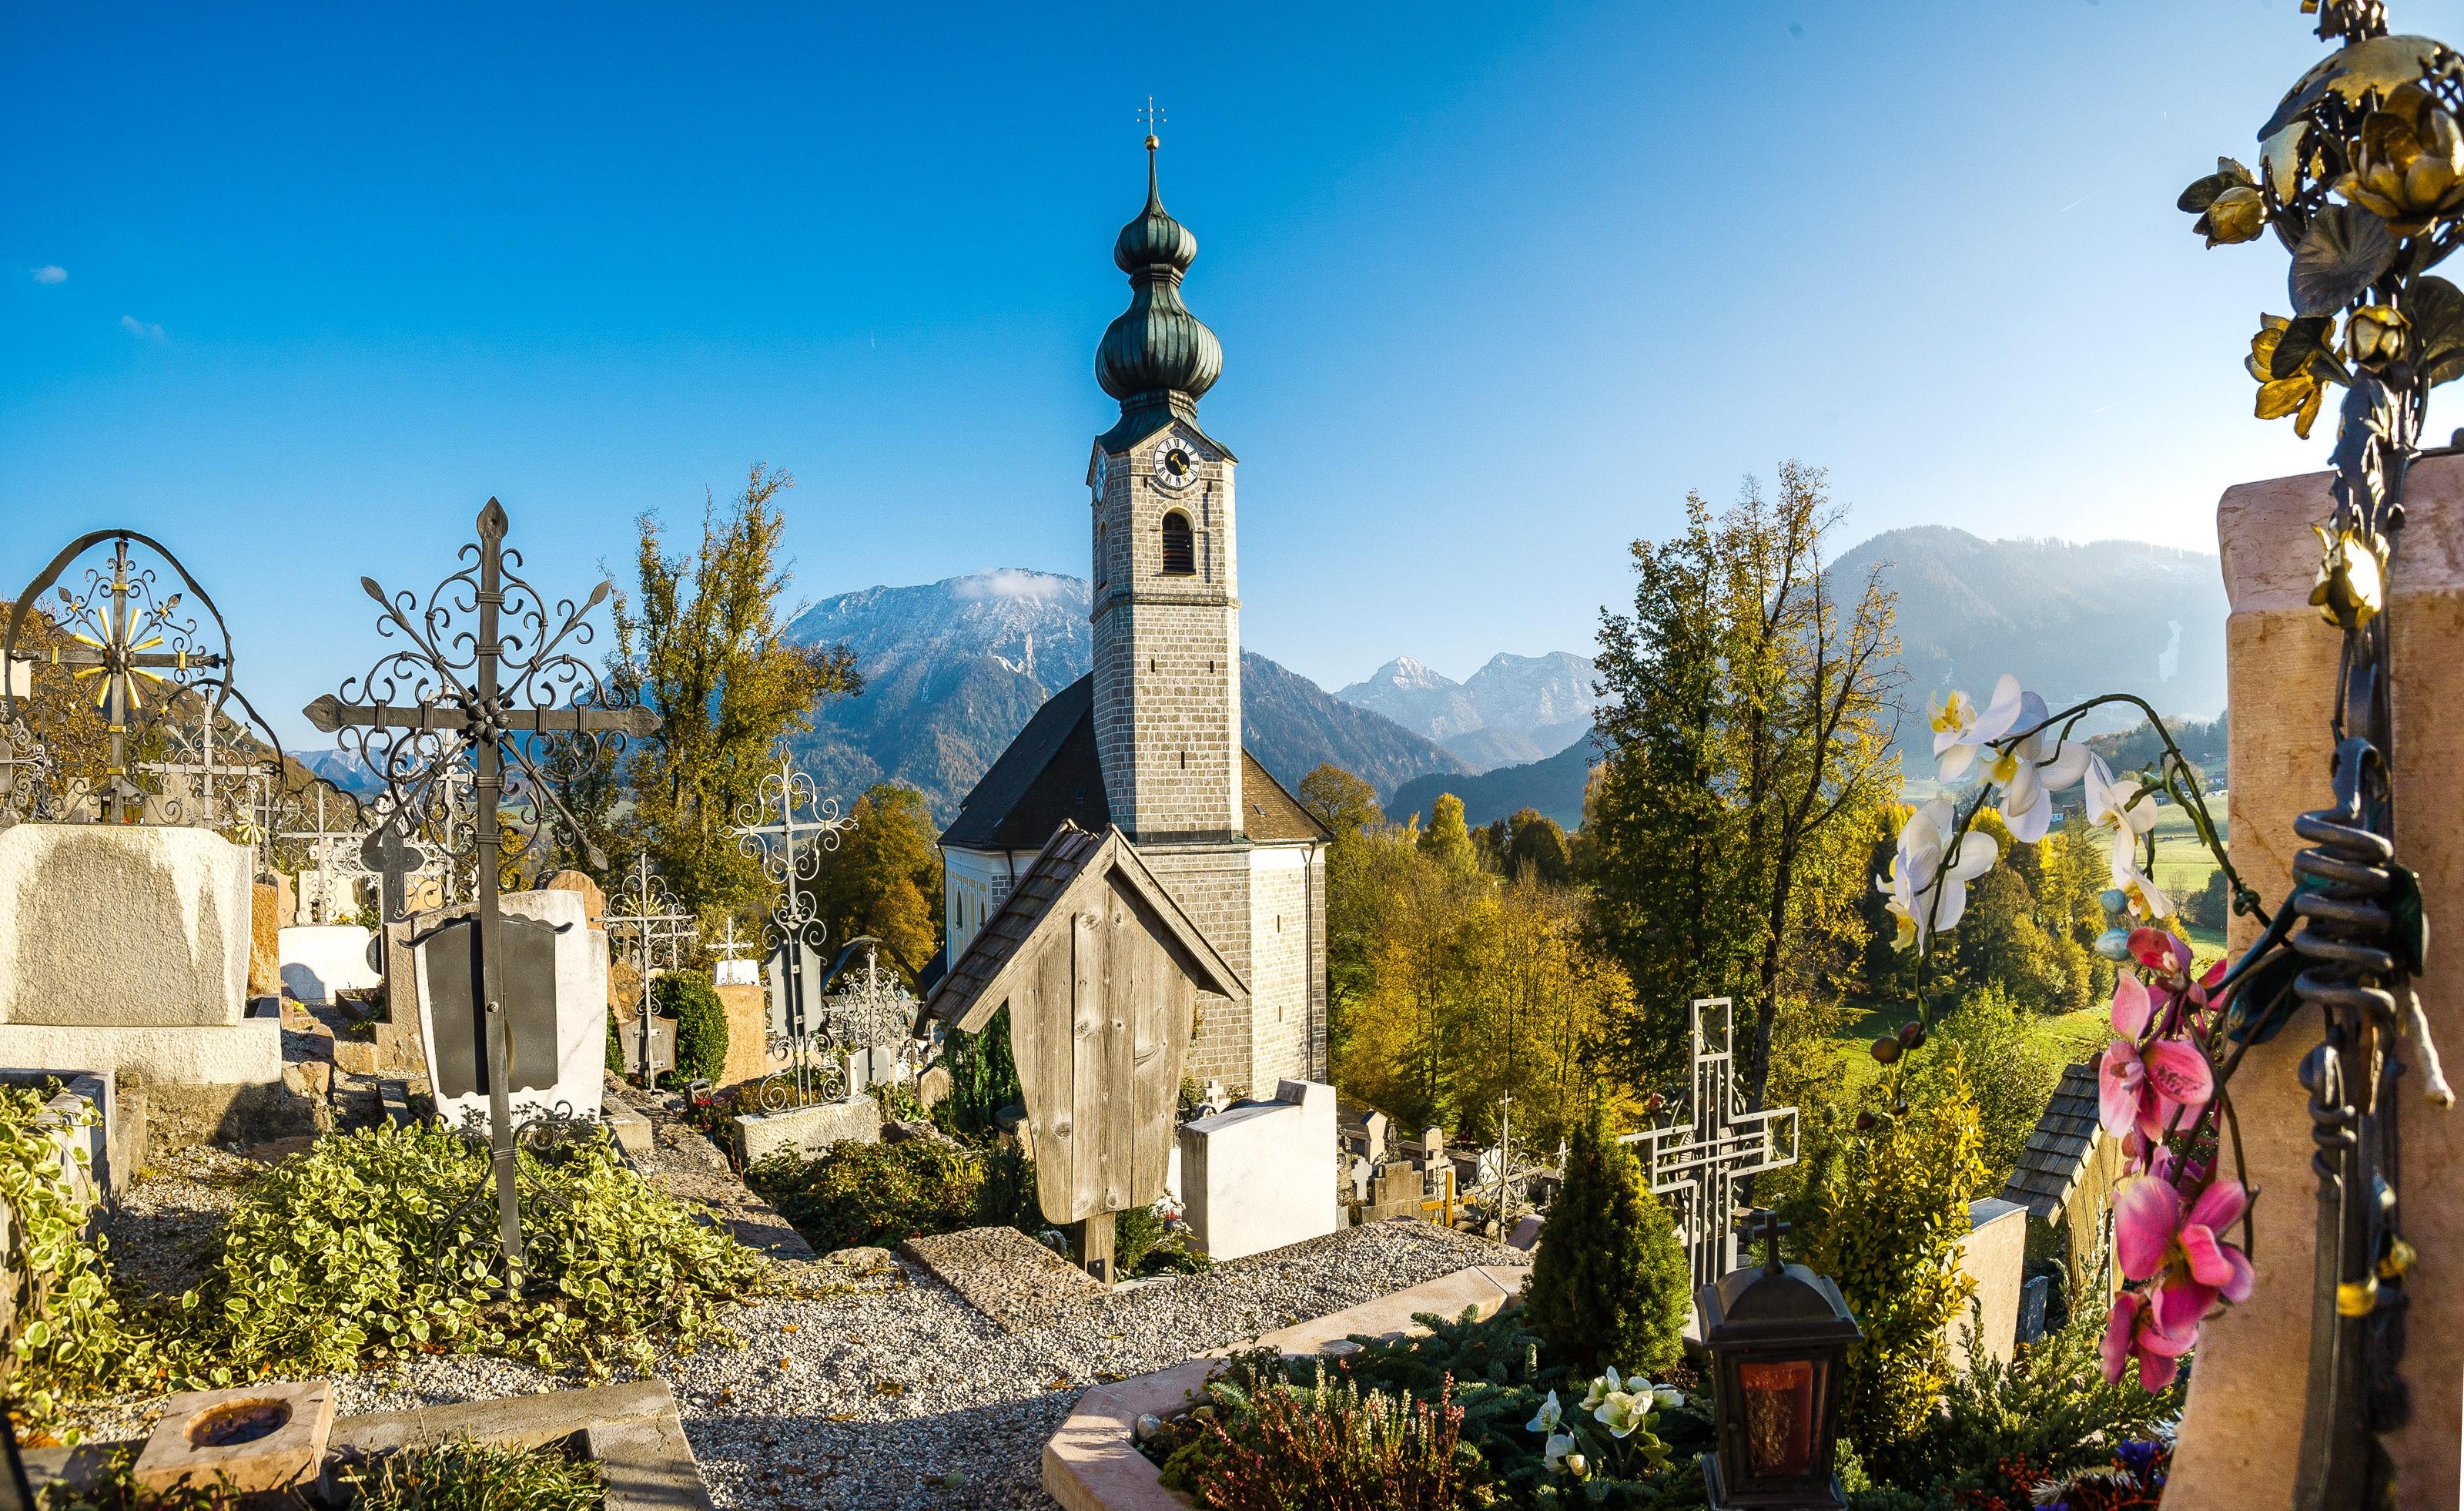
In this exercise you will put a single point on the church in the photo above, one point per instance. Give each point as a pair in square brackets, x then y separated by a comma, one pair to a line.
[1150, 740]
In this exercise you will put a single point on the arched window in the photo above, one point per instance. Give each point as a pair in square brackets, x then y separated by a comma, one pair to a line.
[1179, 553]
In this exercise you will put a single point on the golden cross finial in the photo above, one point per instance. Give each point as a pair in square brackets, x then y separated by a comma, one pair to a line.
[1152, 117]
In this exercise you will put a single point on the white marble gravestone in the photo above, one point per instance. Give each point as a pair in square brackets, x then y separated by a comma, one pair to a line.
[560, 1044]
[322, 959]
[1262, 1176]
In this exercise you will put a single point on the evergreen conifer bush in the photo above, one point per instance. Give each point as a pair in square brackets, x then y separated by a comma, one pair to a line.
[983, 1080]
[701, 1023]
[1610, 1284]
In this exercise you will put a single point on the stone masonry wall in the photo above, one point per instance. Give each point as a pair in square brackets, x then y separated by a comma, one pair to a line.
[1211, 883]
[1280, 1018]
[1167, 650]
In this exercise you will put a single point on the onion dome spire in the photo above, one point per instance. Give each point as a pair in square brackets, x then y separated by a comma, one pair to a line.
[1156, 358]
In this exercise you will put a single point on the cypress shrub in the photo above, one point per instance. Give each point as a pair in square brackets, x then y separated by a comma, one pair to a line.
[983, 1080]
[1609, 1285]
[701, 1023]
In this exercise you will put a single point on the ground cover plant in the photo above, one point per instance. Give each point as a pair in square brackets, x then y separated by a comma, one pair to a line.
[69, 1337]
[878, 1194]
[473, 1476]
[381, 1242]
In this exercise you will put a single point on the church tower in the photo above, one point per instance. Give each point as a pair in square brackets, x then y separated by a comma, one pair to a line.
[1166, 598]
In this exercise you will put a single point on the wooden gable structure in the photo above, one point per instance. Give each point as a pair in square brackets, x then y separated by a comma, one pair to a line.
[2066, 1178]
[1101, 971]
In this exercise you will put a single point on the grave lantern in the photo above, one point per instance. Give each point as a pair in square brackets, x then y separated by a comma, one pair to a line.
[1778, 1336]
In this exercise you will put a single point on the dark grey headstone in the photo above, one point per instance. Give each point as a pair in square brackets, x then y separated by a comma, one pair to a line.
[2033, 1297]
[525, 979]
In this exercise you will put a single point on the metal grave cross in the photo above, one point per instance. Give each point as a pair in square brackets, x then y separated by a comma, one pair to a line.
[326, 841]
[653, 918]
[394, 861]
[729, 948]
[794, 866]
[206, 772]
[1696, 1164]
[486, 692]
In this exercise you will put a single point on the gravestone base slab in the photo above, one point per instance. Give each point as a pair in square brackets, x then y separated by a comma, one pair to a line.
[248, 1053]
[809, 1130]
[1006, 1275]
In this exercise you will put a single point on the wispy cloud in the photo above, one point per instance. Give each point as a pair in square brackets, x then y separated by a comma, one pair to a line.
[143, 331]
[51, 273]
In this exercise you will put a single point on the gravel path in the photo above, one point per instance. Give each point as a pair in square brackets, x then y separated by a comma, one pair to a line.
[882, 1390]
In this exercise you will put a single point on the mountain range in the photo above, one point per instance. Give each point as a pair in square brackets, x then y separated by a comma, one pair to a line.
[1515, 709]
[953, 669]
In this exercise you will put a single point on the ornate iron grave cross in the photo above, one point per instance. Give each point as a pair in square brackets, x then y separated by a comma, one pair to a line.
[205, 803]
[794, 865]
[326, 843]
[652, 919]
[1697, 1162]
[729, 948]
[489, 677]
[118, 631]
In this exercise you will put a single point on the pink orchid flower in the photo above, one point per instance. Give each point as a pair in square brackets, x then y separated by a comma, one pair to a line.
[2160, 951]
[2140, 1088]
[2132, 1334]
[2156, 1238]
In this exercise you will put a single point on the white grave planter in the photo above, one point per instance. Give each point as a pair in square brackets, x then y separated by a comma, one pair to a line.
[560, 1044]
[1262, 1176]
[322, 959]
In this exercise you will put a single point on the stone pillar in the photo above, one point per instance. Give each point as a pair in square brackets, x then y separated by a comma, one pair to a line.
[2241, 1435]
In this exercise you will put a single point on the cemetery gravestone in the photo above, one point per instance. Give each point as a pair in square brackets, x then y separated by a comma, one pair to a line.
[126, 948]
[1262, 1176]
[322, 960]
[554, 985]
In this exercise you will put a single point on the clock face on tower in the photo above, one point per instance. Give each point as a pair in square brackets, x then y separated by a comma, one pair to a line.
[1176, 466]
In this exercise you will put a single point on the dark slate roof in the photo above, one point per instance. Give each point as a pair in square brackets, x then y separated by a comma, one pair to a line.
[972, 988]
[1050, 776]
[2057, 1152]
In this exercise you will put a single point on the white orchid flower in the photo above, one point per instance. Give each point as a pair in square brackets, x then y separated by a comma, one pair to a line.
[2126, 804]
[2032, 771]
[2148, 899]
[1546, 1419]
[1560, 1444]
[1961, 729]
[1920, 871]
[1624, 1410]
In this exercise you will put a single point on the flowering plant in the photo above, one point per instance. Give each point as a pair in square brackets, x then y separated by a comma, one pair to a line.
[1617, 1440]
[2162, 1079]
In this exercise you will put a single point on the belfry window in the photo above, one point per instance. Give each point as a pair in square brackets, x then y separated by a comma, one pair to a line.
[1179, 551]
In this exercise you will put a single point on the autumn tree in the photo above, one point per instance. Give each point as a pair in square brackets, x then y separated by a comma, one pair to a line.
[1538, 848]
[885, 877]
[1747, 727]
[705, 643]
[1446, 838]
[1344, 803]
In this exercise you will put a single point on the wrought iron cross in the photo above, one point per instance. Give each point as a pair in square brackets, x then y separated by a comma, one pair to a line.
[137, 641]
[653, 918]
[206, 771]
[793, 865]
[326, 840]
[487, 693]
[1763, 1225]
[393, 860]
[1697, 1163]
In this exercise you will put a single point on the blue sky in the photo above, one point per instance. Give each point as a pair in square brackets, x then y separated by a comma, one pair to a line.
[1496, 286]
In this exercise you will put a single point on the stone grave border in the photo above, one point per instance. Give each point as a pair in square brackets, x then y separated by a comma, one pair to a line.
[1093, 1464]
[632, 1432]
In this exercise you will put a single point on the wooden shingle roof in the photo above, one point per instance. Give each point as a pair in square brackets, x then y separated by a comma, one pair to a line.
[2059, 1150]
[977, 983]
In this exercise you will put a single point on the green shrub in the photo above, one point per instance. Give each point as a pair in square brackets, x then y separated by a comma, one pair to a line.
[473, 1476]
[72, 1339]
[877, 1195]
[615, 1049]
[1887, 1226]
[701, 1023]
[1141, 1246]
[1610, 1284]
[2050, 1406]
[384, 1242]
[983, 1080]
[2002, 1063]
